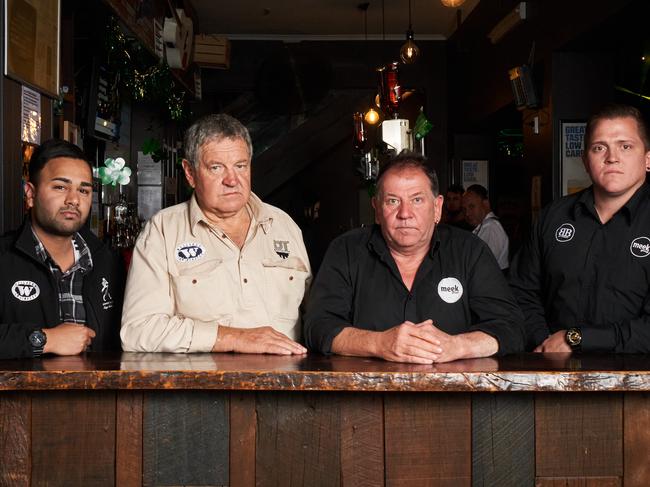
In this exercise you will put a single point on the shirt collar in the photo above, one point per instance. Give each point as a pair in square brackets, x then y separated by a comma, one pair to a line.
[82, 257]
[637, 199]
[586, 202]
[259, 212]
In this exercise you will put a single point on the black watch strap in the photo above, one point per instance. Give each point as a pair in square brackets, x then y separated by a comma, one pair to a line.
[37, 339]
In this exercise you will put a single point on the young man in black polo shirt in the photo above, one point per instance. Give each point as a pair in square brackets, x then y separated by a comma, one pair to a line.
[60, 288]
[408, 289]
[583, 278]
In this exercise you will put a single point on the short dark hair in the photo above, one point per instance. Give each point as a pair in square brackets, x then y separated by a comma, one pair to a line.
[214, 127]
[456, 188]
[409, 159]
[51, 149]
[478, 190]
[617, 110]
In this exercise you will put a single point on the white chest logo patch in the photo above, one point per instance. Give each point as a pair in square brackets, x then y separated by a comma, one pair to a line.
[640, 247]
[450, 290]
[565, 232]
[107, 299]
[189, 251]
[25, 290]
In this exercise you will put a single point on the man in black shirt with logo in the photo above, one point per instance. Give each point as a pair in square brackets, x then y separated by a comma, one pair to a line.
[583, 278]
[408, 289]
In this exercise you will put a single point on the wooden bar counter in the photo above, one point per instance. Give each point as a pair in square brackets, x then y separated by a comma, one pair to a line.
[242, 420]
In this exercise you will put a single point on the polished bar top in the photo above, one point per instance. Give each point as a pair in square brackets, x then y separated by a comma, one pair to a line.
[523, 372]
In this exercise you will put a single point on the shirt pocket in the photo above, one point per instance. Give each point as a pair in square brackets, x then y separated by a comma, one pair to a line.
[203, 292]
[625, 292]
[285, 286]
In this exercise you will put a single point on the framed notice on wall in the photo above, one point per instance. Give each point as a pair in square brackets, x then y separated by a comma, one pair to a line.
[475, 172]
[32, 43]
[572, 169]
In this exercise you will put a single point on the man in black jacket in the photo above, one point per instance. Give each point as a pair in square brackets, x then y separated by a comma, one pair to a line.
[61, 288]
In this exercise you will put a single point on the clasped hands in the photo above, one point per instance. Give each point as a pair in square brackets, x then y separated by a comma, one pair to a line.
[68, 339]
[420, 343]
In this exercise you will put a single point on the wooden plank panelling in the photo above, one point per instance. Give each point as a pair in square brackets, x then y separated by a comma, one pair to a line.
[636, 447]
[428, 439]
[579, 435]
[11, 155]
[503, 440]
[362, 440]
[243, 423]
[298, 439]
[185, 438]
[73, 438]
[128, 439]
[579, 482]
[15, 444]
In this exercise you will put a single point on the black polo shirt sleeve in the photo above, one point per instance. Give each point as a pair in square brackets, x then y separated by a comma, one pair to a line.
[329, 307]
[628, 336]
[493, 308]
[526, 281]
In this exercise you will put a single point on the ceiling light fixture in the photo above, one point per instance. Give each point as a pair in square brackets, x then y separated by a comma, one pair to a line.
[409, 51]
[371, 116]
[452, 3]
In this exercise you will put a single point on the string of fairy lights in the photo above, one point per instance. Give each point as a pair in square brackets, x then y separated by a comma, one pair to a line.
[139, 77]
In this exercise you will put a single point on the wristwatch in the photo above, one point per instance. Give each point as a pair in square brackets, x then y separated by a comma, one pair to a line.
[574, 338]
[37, 339]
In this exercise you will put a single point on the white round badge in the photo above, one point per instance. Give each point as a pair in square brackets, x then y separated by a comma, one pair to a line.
[25, 290]
[640, 247]
[450, 290]
[190, 251]
[565, 232]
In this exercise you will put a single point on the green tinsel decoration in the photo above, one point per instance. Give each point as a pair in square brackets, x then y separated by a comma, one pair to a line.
[141, 79]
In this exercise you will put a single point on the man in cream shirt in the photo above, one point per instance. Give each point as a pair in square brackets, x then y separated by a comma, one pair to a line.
[222, 272]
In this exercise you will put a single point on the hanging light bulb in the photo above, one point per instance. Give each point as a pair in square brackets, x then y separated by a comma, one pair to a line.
[452, 3]
[409, 51]
[372, 116]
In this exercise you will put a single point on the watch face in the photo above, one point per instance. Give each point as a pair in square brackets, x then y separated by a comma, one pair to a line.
[37, 339]
[574, 337]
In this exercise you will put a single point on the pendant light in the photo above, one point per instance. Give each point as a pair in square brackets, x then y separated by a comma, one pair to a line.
[452, 3]
[409, 51]
[371, 116]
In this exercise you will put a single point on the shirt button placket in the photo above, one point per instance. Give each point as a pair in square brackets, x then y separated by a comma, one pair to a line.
[410, 312]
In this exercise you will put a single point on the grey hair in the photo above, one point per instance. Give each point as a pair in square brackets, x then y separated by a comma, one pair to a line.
[214, 127]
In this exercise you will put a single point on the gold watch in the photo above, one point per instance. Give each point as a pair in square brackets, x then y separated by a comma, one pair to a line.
[574, 338]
